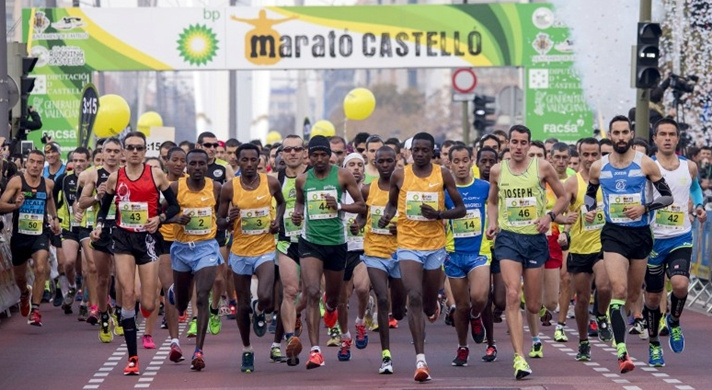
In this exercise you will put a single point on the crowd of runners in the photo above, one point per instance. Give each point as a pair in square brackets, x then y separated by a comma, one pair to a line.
[283, 235]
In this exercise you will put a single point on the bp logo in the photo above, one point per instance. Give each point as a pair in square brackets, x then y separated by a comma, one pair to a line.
[249, 214]
[314, 197]
[416, 197]
[126, 207]
[378, 211]
[197, 44]
[514, 203]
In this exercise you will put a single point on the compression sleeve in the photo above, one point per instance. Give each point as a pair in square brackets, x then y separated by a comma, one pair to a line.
[696, 193]
[105, 205]
[173, 208]
[665, 198]
[590, 199]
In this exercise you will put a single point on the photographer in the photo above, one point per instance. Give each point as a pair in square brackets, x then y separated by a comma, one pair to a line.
[30, 122]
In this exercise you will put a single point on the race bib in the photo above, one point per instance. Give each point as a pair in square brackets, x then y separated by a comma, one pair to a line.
[617, 204]
[255, 221]
[598, 221]
[468, 226]
[670, 218]
[134, 215]
[290, 229]
[317, 207]
[201, 221]
[413, 200]
[111, 215]
[521, 211]
[72, 222]
[30, 223]
[376, 214]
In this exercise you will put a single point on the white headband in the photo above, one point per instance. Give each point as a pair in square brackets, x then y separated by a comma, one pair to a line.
[353, 156]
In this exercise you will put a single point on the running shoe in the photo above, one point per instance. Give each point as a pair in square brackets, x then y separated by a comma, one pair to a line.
[386, 365]
[192, 328]
[315, 360]
[294, 348]
[663, 329]
[25, 303]
[132, 367]
[275, 355]
[560, 334]
[183, 318]
[46, 294]
[93, 317]
[148, 342]
[361, 336]
[164, 324]
[69, 300]
[105, 335]
[638, 327]
[656, 355]
[197, 363]
[497, 315]
[521, 367]
[592, 328]
[233, 310]
[605, 333]
[176, 354]
[58, 298]
[272, 328]
[545, 316]
[368, 317]
[625, 363]
[537, 351]
[478, 330]
[344, 353]
[677, 339]
[463, 355]
[584, 351]
[422, 372]
[490, 354]
[330, 318]
[259, 321]
[449, 316]
[214, 324]
[248, 362]
[118, 328]
[83, 313]
[392, 323]
[334, 337]
[298, 325]
[35, 318]
[374, 323]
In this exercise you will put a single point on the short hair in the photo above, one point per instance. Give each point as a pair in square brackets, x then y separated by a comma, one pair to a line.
[503, 152]
[113, 140]
[593, 141]
[386, 149]
[502, 133]
[202, 136]
[37, 152]
[458, 148]
[374, 138]
[605, 141]
[539, 144]
[666, 121]
[426, 137]
[175, 149]
[247, 146]
[336, 139]
[168, 145]
[620, 118]
[360, 138]
[160, 163]
[551, 139]
[194, 151]
[447, 143]
[94, 153]
[231, 143]
[100, 142]
[574, 153]
[135, 134]
[693, 151]
[396, 144]
[520, 129]
[189, 144]
[485, 150]
[560, 147]
[257, 143]
[292, 136]
[637, 141]
[489, 136]
[82, 150]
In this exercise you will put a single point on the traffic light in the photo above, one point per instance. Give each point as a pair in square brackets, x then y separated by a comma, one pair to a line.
[647, 74]
[27, 83]
[481, 110]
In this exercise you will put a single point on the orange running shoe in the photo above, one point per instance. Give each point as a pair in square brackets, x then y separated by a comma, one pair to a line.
[132, 367]
[315, 360]
[35, 318]
[625, 364]
[294, 348]
[25, 303]
[392, 322]
[184, 318]
[422, 372]
[330, 318]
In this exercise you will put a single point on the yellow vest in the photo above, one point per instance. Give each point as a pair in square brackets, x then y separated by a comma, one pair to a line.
[586, 237]
[378, 242]
[200, 206]
[522, 199]
[415, 231]
[251, 236]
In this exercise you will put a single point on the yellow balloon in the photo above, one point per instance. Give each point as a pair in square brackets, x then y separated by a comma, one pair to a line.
[323, 127]
[147, 120]
[359, 104]
[274, 137]
[113, 116]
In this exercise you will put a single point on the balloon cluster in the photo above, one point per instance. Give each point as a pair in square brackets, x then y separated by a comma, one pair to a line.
[114, 115]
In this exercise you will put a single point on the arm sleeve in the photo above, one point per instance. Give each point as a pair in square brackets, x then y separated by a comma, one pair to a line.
[665, 198]
[105, 205]
[590, 199]
[173, 208]
[696, 193]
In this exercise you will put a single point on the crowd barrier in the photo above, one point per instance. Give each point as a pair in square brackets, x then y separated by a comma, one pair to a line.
[700, 290]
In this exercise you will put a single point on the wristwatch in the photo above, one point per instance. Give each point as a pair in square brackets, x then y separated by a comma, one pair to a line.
[440, 215]
[162, 218]
[552, 215]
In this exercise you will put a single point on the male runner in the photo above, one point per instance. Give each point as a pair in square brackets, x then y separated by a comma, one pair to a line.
[379, 252]
[373, 143]
[29, 197]
[322, 244]
[417, 193]
[253, 246]
[194, 254]
[672, 250]
[517, 205]
[467, 265]
[583, 262]
[54, 168]
[626, 239]
[135, 240]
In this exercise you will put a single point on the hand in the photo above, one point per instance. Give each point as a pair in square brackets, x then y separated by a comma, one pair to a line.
[355, 229]
[297, 218]
[78, 214]
[571, 218]
[428, 212]
[591, 216]
[543, 223]
[701, 214]
[101, 190]
[563, 239]
[19, 200]
[152, 225]
[331, 202]
[384, 221]
[634, 212]
[54, 226]
[184, 219]
[32, 109]
[491, 231]
[233, 214]
[95, 234]
[393, 228]
[274, 226]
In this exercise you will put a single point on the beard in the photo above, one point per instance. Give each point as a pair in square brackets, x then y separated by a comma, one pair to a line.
[622, 149]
